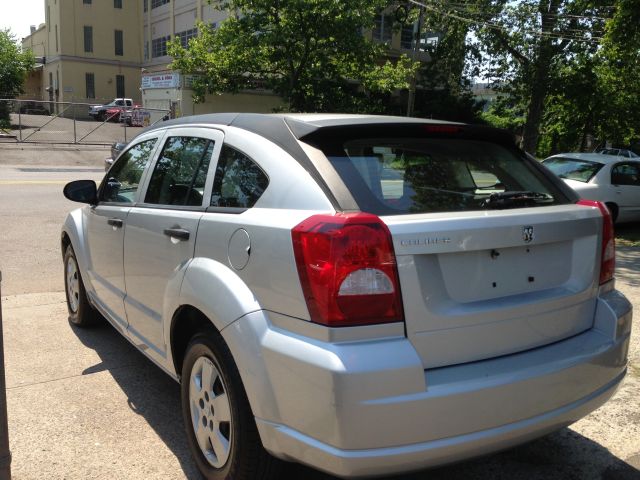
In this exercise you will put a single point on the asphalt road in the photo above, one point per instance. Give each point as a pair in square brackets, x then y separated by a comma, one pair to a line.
[85, 404]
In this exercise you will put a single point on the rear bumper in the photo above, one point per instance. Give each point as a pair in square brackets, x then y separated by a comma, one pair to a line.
[368, 408]
[293, 445]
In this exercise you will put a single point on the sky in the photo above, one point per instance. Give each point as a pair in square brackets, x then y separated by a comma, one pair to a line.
[18, 15]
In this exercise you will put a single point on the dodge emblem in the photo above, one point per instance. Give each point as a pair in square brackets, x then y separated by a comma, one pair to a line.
[527, 234]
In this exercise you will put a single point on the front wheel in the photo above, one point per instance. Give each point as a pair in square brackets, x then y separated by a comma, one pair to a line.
[220, 426]
[81, 313]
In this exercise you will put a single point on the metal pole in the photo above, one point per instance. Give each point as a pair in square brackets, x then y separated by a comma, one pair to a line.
[75, 136]
[20, 120]
[414, 55]
[5, 453]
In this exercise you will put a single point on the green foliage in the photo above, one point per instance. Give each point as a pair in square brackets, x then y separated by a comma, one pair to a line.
[445, 80]
[311, 52]
[503, 113]
[528, 43]
[14, 66]
[618, 72]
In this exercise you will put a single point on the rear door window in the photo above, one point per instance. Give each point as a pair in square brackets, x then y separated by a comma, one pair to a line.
[626, 174]
[180, 172]
[390, 176]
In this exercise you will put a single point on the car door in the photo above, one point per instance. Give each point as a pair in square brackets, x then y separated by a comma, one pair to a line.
[105, 226]
[625, 181]
[161, 230]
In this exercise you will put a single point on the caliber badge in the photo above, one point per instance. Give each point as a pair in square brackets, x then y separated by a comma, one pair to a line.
[527, 234]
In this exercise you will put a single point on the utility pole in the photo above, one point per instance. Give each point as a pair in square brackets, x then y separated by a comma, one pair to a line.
[414, 55]
[5, 454]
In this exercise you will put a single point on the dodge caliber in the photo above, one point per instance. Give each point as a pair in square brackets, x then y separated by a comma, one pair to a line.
[365, 295]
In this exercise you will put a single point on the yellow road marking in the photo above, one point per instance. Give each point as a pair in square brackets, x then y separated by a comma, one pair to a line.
[34, 182]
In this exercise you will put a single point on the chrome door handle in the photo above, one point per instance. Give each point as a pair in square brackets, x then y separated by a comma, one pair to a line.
[179, 233]
[115, 222]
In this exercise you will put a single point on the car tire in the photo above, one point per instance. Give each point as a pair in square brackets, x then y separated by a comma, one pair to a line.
[216, 411]
[81, 313]
[613, 209]
[100, 117]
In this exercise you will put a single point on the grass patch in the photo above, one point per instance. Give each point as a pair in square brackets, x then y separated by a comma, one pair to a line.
[628, 234]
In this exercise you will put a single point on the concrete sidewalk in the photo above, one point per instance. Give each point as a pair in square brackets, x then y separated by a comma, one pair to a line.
[84, 404]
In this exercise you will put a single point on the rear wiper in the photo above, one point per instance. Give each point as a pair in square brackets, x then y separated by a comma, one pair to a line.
[516, 199]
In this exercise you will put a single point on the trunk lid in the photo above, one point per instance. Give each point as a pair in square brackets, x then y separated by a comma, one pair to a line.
[482, 284]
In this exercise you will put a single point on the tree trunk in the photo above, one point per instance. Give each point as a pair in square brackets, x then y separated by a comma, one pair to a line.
[539, 85]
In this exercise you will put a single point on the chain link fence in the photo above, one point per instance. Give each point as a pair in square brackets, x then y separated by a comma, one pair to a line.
[40, 121]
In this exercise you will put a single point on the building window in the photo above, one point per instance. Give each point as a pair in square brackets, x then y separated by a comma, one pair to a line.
[87, 2]
[146, 5]
[186, 36]
[48, 18]
[158, 3]
[88, 39]
[146, 50]
[159, 47]
[120, 86]
[117, 3]
[407, 36]
[90, 81]
[56, 38]
[383, 28]
[119, 42]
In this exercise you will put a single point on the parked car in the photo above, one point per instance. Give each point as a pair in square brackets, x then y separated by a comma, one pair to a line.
[33, 108]
[116, 148]
[612, 180]
[99, 112]
[618, 152]
[365, 295]
[126, 115]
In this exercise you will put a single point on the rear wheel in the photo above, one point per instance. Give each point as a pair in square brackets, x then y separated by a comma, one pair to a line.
[613, 209]
[81, 313]
[220, 426]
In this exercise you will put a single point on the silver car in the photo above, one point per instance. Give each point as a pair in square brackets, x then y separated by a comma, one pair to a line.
[365, 295]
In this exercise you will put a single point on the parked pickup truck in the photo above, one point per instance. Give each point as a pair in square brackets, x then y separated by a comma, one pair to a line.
[99, 112]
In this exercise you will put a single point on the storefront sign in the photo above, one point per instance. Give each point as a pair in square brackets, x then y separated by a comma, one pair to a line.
[166, 80]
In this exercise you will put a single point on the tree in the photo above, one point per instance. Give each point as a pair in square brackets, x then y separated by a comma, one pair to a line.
[445, 80]
[14, 66]
[525, 42]
[311, 52]
[617, 70]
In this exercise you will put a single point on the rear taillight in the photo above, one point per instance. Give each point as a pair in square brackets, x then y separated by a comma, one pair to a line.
[347, 269]
[608, 260]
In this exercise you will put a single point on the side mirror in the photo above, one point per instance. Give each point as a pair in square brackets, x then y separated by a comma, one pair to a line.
[83, 191]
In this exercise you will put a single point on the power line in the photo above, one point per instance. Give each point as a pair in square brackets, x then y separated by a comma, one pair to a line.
[466, 7]
[496, 26]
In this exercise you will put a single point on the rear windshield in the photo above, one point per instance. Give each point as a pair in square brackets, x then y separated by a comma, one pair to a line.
[391, 176]
[573, 169]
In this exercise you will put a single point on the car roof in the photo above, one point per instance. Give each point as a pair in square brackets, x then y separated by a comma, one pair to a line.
[302, 123]
[285, 129]
[593, 157]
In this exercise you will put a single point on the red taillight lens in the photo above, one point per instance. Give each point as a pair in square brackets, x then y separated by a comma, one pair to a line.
[347, 269]
[608, 261]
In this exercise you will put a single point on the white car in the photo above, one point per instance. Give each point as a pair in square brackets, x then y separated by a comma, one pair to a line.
[618, 152]
[606, 178]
